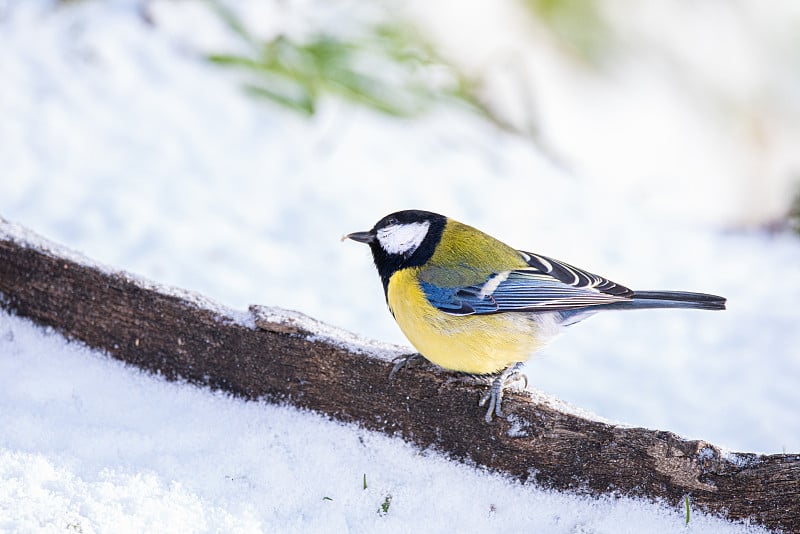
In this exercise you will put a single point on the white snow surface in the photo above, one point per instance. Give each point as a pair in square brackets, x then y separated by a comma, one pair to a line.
[119, 141]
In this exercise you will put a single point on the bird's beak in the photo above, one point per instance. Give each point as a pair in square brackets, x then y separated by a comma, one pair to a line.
[361, 237]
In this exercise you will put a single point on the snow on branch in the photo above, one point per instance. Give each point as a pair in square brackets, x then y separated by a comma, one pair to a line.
[279, 356]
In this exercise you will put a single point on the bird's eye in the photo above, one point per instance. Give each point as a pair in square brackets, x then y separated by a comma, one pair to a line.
[390, 221]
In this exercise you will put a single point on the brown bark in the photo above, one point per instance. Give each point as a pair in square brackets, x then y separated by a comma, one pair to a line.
[181, 337]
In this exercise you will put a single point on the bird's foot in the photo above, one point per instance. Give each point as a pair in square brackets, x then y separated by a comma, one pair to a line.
[401, 363]
[494, 395]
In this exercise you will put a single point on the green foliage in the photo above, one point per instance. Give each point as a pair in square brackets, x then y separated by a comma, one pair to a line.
[387, 501]
[577, 25]
[384, 509]
[688, 513]
[388, 67]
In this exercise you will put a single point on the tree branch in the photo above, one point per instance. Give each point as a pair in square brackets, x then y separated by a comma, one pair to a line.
[287, 357]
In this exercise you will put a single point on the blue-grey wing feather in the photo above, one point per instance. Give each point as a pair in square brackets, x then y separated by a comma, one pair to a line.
[547, 285]
[574, 276]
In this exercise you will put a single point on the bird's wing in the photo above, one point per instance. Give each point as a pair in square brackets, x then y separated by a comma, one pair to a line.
[547, 285]
[573, 276]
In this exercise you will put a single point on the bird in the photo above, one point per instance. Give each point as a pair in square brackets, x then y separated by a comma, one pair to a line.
[472, 304]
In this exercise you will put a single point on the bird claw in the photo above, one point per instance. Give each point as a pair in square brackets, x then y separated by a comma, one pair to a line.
[401, 363]
[494, 395]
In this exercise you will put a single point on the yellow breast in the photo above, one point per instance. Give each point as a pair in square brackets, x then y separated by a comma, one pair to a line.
[477, 344]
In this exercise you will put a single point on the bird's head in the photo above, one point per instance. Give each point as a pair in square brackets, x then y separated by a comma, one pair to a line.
[402, 239]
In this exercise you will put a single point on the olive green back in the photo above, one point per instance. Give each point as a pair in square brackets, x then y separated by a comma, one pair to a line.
[466, 256]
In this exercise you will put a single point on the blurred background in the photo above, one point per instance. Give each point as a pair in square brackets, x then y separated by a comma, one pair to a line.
[225, 146]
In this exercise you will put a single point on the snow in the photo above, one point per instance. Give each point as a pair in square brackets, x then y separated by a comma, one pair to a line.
[317, 330]
[89, 444]
[120, 142]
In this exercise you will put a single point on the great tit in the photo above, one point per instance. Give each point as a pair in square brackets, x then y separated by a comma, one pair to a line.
[470, 303]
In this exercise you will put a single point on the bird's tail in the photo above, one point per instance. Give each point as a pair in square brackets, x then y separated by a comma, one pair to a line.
[643, 300]
[672, 299]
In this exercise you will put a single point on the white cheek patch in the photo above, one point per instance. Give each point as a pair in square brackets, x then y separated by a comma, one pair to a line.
[403, 238]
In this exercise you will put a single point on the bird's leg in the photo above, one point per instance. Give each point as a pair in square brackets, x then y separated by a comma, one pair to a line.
[494, 395]
[401, 363]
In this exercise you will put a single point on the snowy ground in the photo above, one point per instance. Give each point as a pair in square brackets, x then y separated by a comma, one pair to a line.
[118, 141]
[89, 445]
